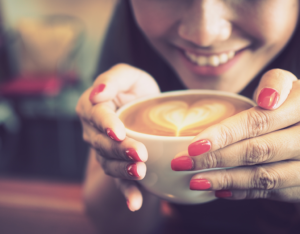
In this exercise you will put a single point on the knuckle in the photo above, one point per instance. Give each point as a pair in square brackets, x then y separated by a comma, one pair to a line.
[210, 160]
[115, 150]
[95, 141]
[256, 194]
[92, 115]
[264, 179]
[226, 181]
[257, 152]
[257, 122]
[225, 136]
[85, 137]
[109, 168]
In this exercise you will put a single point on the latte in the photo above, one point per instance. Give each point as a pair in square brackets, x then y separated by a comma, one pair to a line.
[183, 115]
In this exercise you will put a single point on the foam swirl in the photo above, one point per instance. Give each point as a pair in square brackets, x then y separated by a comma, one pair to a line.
[183, 119]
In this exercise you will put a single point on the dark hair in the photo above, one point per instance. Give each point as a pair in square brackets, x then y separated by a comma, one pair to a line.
[133, 47]
[289, 58]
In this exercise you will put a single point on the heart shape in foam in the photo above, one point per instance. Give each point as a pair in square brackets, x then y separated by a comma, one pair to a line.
[178, 115]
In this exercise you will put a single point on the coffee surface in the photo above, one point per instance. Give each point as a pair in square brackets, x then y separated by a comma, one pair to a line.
[183, 115]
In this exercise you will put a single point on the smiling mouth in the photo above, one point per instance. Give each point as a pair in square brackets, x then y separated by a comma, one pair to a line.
[213, 60]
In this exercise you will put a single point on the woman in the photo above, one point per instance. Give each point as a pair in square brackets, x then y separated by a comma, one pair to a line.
[227, 45]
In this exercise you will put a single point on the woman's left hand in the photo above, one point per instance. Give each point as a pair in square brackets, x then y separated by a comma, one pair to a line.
[257, 149]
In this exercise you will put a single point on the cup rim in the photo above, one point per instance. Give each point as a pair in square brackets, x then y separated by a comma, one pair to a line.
[177, 93]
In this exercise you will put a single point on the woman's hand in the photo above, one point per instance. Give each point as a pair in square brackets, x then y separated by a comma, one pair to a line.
[119, 156]
[262, 144]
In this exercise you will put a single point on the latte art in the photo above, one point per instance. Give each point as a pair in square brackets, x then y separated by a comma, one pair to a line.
[180, 116]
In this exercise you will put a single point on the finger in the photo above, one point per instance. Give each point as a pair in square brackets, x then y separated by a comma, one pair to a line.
[127, 150]
[274, 88]
[267, 177]
[101, 116]
[290, 194]
[276, 146]
[122, 83]
[131, 193]
[121, 169]
[104, 118]
[247, 124]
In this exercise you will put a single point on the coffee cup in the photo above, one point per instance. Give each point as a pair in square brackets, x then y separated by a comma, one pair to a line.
[166, 124]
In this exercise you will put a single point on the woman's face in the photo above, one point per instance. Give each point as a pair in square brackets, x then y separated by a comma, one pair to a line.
[217, 44]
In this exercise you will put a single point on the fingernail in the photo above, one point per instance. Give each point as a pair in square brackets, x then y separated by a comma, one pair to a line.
[132, 170]
[132, 154]
[199, 147]
[112, 135]
[199, 184]
[268, 98]
[223, 193]
[182, 163]
[96, 90]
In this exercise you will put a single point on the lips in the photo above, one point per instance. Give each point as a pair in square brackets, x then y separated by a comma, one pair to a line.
[212, 64]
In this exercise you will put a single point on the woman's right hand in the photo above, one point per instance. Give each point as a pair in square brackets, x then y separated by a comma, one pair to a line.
[119, 156]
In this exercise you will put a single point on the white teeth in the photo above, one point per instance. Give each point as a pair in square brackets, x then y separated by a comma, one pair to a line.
[223, 58]
[202, 61]
[213, 60]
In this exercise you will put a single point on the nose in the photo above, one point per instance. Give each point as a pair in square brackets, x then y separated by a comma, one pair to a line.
[203, 23]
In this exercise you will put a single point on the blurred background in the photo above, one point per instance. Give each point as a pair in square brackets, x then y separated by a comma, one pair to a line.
[48, 55]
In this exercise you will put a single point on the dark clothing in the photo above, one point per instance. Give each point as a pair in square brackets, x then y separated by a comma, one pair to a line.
[125, 43]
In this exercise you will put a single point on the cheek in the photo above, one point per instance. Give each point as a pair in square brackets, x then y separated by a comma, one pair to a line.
[274, 26]
[154, 19]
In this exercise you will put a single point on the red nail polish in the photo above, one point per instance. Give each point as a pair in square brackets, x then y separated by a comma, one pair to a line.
[182, 163]
[132, 170]
[132, 154]
[112, 135]
[199, 184]
[223, 193]
[128, 204]
[96, 90]
[268, 98]
[199, 147]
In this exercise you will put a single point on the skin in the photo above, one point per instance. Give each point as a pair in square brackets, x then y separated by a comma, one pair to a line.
[216, 26]
[271, 135]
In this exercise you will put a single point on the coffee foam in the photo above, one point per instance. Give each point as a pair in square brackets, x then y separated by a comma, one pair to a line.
[180, 116]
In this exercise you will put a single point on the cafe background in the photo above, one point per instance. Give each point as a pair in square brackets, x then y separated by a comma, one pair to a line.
[48, 55]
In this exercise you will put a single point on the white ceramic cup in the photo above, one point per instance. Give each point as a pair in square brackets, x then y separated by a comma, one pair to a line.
[160, 179]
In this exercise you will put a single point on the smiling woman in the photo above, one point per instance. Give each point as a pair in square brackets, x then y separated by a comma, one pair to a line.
[236, 46]
[195, 36]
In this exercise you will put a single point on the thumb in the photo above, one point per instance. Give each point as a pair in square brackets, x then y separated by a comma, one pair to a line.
[274, 88]
[122, 83]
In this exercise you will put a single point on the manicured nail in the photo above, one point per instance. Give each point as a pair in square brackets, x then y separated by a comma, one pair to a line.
[132, 170]
[268, 98]
[223, 193]
[96, 90]
[132, 154]
[182, 163]
[199, 184]
[112, 135]
[199, 147]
